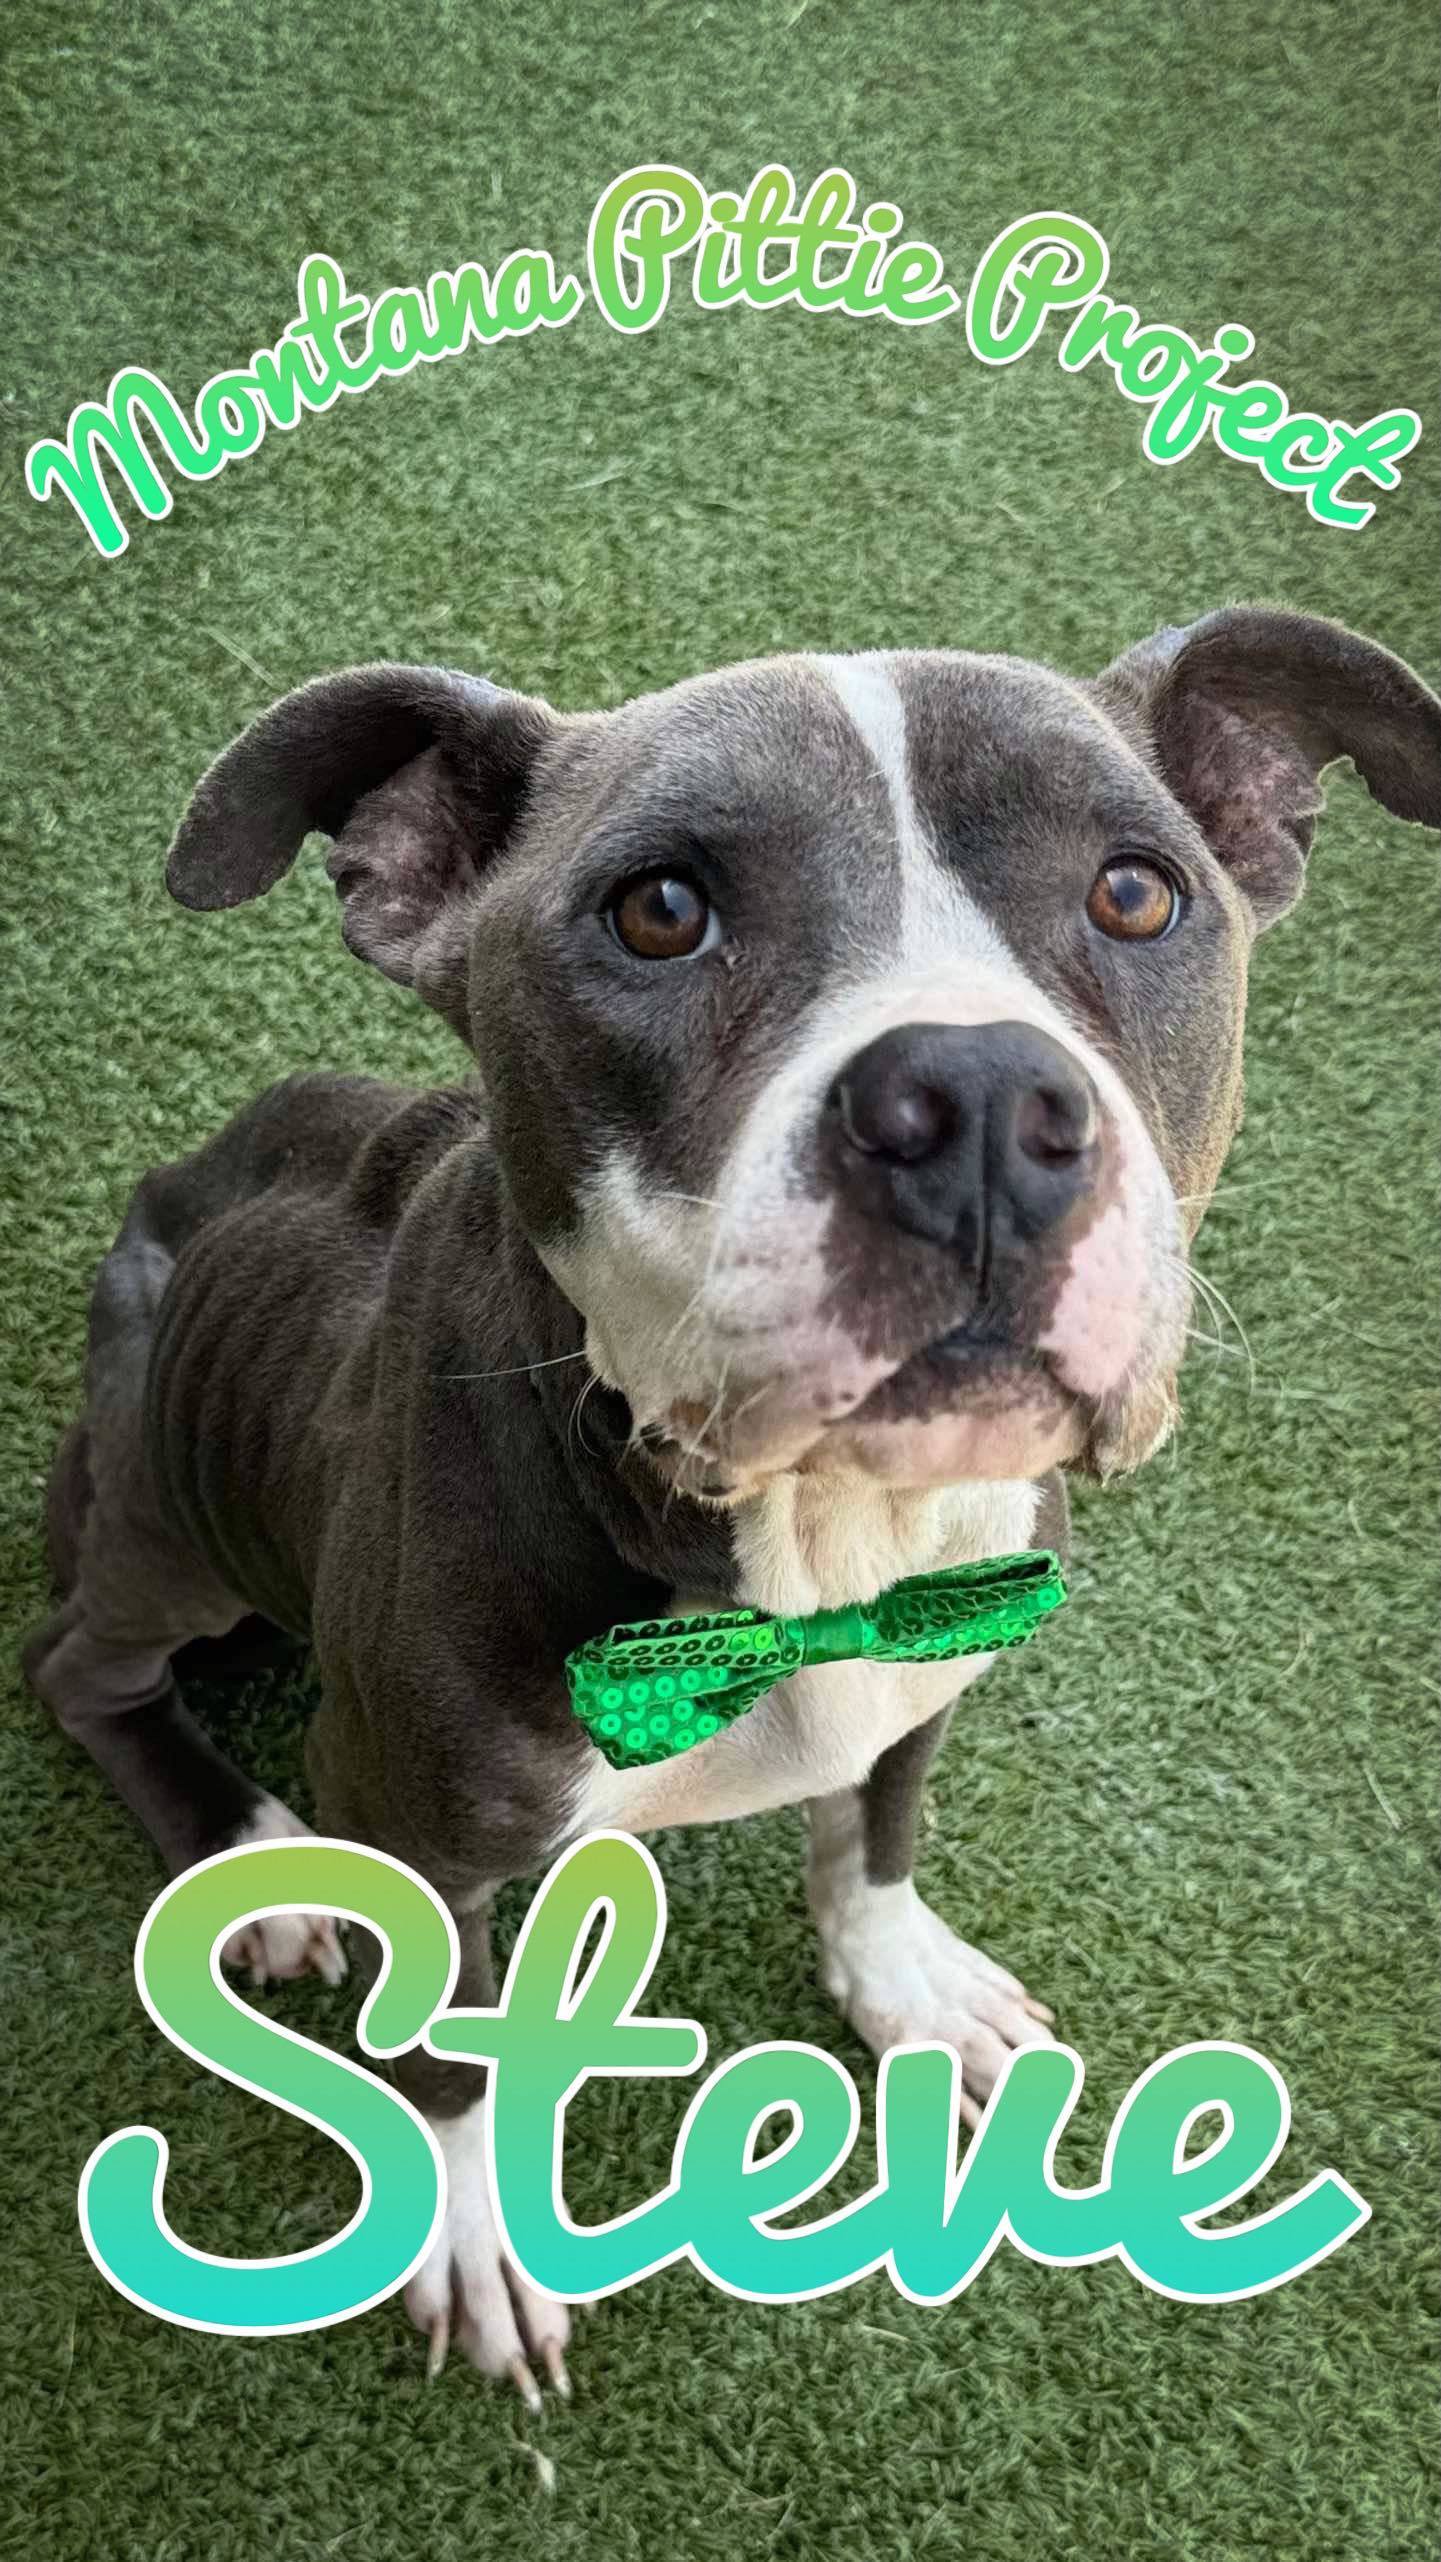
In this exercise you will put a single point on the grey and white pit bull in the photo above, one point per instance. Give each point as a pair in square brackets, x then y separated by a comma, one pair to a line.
[859, 1042]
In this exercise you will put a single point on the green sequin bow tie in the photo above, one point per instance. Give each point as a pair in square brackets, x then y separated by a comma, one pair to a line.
[648, 1691]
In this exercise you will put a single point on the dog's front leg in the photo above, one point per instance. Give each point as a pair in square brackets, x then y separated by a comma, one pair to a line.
[896, 1970]
[467, 2290]
[361, 1767]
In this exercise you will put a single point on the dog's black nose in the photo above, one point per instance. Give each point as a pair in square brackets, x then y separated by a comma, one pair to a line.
[977, 1137]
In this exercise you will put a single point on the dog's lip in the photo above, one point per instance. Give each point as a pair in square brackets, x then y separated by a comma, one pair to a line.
[970, 1339]
[677, 1460]
[969, 1363]
[972, 1359]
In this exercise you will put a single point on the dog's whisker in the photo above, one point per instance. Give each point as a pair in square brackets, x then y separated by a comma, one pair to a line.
[1215, 1298]
[746, 1403]
[1213, 1343]
[1220, 1307]
[701, 1290]
[716, 1403]
[697, 1296]
[692, 1303]
[520, 1371]
[574, 1423]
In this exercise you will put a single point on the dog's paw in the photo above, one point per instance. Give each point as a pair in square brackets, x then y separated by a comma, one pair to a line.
[283, 1945]
[901, 1978]
[467, 2291]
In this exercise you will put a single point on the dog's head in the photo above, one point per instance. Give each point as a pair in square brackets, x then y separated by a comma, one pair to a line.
[863, 1034]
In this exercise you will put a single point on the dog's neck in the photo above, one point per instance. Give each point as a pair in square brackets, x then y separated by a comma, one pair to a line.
[805, 1541]
[812, 1542]
[680, 1543]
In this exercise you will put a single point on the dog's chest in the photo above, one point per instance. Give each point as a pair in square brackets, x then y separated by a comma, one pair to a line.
[808, 1544]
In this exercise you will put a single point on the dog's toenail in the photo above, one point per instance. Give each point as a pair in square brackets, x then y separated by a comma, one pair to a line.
[525, 2385]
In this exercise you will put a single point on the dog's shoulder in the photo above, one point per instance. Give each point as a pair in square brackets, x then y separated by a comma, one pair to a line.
[315, 1134]
[406, 1145]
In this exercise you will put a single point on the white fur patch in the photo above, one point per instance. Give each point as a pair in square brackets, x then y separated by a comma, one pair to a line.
[939, 919]
[897, 1972]
[811, 1543]
[807, 1544]
[466, 2288]
[633, 1267]
[282, 1945]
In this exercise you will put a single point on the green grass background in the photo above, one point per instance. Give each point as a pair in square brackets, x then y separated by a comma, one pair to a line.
[1204, 1807]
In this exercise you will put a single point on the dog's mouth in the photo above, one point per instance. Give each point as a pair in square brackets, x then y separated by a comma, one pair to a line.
[973, 1348]
[975, 1361]
[975, 1374]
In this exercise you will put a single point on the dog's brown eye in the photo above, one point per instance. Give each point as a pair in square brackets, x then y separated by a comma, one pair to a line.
[661, 918]
[1133, 902]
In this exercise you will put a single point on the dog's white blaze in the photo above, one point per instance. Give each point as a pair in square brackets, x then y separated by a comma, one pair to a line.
[873, 704]
[940, 921]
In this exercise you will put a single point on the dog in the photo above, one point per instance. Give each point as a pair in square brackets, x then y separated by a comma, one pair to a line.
[859, 1042]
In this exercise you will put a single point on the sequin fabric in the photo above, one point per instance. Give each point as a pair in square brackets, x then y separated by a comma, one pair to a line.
[660, 1686]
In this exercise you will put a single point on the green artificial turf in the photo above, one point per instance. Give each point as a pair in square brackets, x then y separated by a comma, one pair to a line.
[1202, 1806]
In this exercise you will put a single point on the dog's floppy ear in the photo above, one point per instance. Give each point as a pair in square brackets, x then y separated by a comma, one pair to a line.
[1244, 710]
[419, 773]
